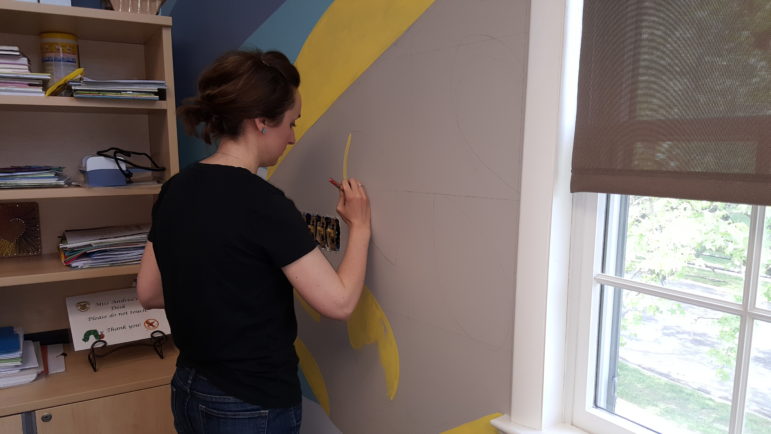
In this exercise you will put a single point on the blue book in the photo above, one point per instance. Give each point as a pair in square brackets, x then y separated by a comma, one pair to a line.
[9, 341]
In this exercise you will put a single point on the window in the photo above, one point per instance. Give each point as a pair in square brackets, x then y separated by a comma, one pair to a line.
[681, 314]
[541, 397]
[673, 316]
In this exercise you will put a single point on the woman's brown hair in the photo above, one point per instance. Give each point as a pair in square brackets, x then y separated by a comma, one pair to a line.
[240, 85]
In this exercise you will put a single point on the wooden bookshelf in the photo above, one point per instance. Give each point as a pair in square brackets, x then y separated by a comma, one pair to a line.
[61, 131]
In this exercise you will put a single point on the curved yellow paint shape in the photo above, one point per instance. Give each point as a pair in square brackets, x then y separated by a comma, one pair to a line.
[346, 40]
[312, 373]
[368, 325]
[479, 426]
[345, 157]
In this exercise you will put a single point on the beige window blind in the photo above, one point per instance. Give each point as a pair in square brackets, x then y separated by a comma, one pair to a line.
[674, 99]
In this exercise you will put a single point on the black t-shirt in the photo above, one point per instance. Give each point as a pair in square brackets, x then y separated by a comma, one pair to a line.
[221, 235]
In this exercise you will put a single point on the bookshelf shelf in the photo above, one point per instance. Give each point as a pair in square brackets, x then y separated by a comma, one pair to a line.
[72, 192]
[49, 268]
[79, 105]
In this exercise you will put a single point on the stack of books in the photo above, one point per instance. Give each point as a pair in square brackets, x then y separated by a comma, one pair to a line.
[15, 76]
[103, 247]
[33, 176]
[20, 360]
[119, 89]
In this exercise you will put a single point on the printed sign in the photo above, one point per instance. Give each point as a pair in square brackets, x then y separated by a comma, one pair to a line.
[113, 316]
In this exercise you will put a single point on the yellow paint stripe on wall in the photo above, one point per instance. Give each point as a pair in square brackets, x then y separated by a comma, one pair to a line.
[368, 325]
[346, 40]
[479, 426]
[312, 373]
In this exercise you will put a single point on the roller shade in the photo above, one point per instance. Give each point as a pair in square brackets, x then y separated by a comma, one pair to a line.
[674, 100]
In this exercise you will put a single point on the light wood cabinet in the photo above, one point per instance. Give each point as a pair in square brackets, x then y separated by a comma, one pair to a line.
[61, 131]
[143, 411]
[11, 424]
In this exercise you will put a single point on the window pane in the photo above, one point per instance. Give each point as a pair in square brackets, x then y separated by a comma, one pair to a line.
[764, 289]
[694, 246]
[757, 415]
[669, 365]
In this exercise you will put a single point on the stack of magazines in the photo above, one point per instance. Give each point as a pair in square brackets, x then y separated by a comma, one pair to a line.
[120, 89]
[103, 247]
[32, 176]
[15, 76]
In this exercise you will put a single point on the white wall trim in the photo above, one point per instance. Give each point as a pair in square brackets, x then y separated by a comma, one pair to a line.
[538, 388]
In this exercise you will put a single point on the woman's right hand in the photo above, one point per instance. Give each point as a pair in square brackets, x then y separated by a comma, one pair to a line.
[335, 293]
[353, 204]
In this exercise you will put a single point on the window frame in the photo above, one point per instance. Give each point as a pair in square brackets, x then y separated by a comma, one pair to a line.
[540, 396]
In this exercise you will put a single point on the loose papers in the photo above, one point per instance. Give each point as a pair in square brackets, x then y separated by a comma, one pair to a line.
[32, 176]
[103, 247]
[119, 89]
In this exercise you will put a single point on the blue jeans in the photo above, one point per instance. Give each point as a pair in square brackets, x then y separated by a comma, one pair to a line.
[201, 408]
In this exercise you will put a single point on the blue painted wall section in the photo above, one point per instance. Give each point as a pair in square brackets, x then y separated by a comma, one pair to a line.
[205, 29]
[288, 28]
[202, 31]
[167, 7]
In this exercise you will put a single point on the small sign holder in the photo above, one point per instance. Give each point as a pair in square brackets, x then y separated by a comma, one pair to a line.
[99, 347]
[108, 321]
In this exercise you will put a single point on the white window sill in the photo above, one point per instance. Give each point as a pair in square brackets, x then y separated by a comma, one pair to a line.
[506, 426]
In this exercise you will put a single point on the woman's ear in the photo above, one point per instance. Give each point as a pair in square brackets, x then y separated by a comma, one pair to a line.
[261, 124]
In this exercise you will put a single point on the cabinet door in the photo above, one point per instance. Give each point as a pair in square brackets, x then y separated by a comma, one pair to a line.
[143, 411]
[11, 424]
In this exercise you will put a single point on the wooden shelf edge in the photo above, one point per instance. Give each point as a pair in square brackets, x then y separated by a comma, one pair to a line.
[70, 104]
[48, 268]
[136, 369]
[83, 13]
[71, 192]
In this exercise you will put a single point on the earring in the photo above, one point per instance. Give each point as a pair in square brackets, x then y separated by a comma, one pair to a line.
[262, 130]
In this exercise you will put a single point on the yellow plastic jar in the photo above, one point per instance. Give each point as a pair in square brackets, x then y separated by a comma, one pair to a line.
[59, 53]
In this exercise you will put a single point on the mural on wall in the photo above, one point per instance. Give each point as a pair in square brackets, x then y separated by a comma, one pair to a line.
[421, 100]
[368, 325]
